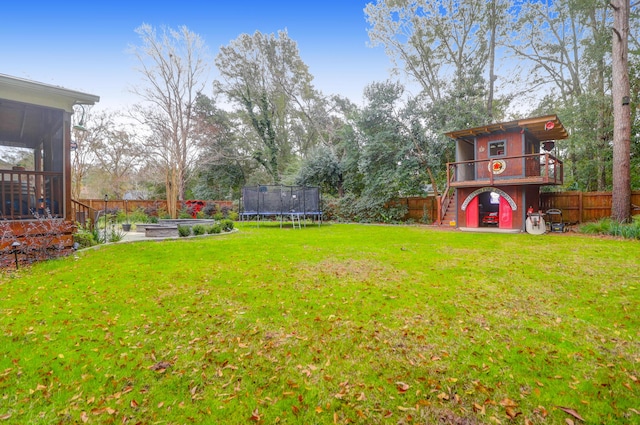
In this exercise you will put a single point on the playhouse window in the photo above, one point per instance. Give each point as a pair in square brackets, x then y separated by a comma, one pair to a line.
[498, 148]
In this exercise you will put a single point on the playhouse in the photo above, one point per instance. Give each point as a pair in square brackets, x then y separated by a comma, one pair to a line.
[499, 171]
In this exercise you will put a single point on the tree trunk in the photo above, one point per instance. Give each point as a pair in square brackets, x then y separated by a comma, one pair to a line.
[172, 193]
[492, 59]
[621, 195]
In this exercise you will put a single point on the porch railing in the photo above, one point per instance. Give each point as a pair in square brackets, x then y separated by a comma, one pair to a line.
[447, 194]
[26, 194]
[542, 168]
[83, 214]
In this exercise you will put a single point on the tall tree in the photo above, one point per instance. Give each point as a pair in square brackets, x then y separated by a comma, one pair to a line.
[265, 77]
[566, 45]
[435, 42]
[174, 66]
[226, 157]
[621, 195]
[82, 156]
[116, 152]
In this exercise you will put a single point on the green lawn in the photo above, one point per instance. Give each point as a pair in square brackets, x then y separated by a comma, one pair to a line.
[333, 324]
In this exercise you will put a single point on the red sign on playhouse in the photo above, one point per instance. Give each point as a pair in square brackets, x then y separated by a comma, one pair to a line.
[194, 206]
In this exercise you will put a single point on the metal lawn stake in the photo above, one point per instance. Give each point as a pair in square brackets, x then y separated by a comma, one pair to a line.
[15, 246]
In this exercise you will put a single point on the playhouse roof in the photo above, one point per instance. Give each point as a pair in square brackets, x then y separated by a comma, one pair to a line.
[547, 127]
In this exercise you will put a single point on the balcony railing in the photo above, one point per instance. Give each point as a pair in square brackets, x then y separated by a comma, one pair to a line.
[27, 194]
[539, 169]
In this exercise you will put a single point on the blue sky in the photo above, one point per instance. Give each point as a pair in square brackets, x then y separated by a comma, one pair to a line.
[83, 45]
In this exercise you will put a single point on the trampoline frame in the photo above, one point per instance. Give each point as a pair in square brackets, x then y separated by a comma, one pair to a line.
[295, 202]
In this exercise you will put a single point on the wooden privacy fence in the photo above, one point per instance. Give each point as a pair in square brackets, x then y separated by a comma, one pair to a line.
[581, 207]
[134, 204]
[420, 209]
[577, 207]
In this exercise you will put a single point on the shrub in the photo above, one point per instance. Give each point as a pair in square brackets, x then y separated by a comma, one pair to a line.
[184, 231]
[138, 216]
[185, 213]
[47, 242]
[210, 209]
[152, 211]
[84, 237]
[215, 228]
[199, 229]
[227, 225]
[607, 226]
[115, 234]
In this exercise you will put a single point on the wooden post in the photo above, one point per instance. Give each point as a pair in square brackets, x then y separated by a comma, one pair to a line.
[580, 209]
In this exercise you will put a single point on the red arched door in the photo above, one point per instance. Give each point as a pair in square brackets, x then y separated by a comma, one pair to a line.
[505, 214]
[472, 213]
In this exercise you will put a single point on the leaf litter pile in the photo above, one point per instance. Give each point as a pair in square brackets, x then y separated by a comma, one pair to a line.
[335, 324]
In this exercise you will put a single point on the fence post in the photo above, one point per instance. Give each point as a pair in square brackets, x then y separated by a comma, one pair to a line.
[580, 207]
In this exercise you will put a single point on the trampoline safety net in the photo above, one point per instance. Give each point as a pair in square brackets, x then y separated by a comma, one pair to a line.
[274, 200]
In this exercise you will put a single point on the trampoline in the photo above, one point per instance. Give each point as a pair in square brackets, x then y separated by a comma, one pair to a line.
[296, 203]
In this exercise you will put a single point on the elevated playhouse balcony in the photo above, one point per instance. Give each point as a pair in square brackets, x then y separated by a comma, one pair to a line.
[534, 169]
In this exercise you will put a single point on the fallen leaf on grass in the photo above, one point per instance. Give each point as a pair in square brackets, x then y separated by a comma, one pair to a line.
[507, 402]
[511, 413]
[255, 416]
[160, 366]
[480, 409]
[5, 417]
[402, 387]
[571, 412]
